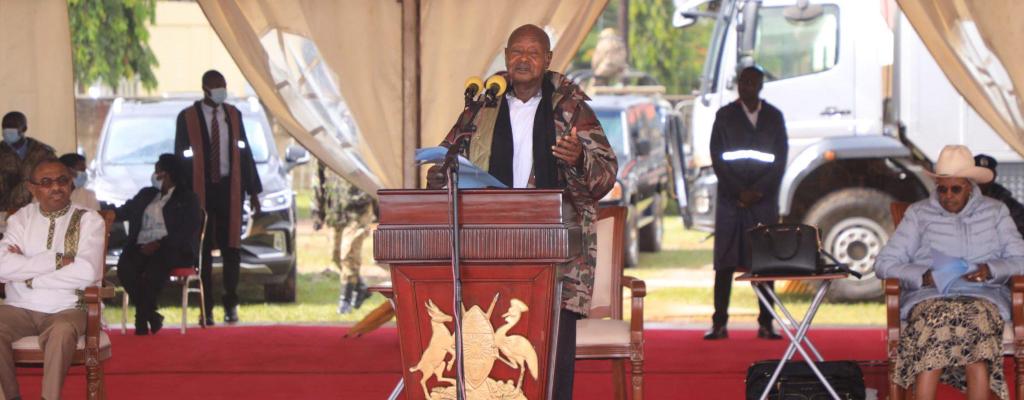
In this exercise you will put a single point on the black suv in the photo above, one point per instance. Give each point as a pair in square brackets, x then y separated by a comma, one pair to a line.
[637, 128]
[137, 131]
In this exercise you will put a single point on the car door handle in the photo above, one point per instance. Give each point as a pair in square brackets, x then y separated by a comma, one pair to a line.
[830, 111]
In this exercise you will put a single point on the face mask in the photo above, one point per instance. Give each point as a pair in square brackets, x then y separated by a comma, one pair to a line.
[218, 95]
[157, 182]
[80, 179]
[11, 135]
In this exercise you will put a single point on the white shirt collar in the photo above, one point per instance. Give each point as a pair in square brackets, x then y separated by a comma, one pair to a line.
[511, 97]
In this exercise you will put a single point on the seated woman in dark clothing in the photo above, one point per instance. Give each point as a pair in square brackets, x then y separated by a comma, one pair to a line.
[163, 232]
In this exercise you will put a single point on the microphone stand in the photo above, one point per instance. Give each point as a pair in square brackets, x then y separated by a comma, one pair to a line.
[466, 128]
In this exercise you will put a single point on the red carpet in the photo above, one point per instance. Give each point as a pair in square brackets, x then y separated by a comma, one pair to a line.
[295, 362]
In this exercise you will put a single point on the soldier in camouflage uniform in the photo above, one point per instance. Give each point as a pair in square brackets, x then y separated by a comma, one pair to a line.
[18, 155]
[568, 150]
[349, 212]
[999, 192]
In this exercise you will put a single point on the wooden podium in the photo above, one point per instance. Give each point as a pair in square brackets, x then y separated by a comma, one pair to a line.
[512, 243]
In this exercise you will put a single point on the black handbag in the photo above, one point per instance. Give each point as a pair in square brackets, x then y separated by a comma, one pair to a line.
[798, 382]
[784, 249]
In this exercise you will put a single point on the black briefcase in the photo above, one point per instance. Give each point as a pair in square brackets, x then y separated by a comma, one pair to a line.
[798, 382]
[783, 249]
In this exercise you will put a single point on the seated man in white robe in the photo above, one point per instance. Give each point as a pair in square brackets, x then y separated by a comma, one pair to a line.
[51, 250]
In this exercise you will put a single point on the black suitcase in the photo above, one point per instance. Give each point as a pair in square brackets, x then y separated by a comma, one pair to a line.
[798, 382]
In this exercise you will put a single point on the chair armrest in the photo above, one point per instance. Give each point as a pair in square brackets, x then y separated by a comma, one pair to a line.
[892, 312]
[638, 290]
[386, 291]
[1017, 309]
[93, 297]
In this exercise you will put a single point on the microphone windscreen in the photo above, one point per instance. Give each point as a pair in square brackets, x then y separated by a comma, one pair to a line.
[499, 81]
[475, 84]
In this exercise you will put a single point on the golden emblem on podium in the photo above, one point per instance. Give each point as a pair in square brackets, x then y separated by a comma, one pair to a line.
[482, 346]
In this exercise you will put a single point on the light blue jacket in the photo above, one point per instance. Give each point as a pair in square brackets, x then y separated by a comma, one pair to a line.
[982, 232]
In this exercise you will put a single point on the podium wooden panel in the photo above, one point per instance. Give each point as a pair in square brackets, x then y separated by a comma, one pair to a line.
[512, 242]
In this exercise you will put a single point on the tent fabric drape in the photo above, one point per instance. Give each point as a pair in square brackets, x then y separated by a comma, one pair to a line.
[37, 77]
[315, 62]
[974, 42]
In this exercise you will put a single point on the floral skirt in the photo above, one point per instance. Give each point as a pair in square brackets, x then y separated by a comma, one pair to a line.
[949, 334]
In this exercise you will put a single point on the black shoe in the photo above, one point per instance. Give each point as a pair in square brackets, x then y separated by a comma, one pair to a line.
[231, 314]
[362, 292]
[766, 332]
[716, 333]
[141, 329]
[156, 322]
[209, 319]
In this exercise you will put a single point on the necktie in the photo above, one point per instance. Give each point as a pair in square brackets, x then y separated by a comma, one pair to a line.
[214, 167]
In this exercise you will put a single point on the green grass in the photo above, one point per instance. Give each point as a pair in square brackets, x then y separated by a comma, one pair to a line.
[679, 280]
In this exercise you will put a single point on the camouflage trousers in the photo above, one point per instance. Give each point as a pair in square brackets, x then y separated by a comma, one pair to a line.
[348, 246]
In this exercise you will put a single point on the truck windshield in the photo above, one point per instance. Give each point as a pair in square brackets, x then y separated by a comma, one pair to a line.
[611, 122]
[141, 140]
[787, 49]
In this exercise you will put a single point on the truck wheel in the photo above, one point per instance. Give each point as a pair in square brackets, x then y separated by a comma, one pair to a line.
[854, 223]
[631, 250]
[650, 235]
[283, 292]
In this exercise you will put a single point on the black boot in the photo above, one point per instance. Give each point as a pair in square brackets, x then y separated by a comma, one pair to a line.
[345, 301]
[361, 293]
[717, 332]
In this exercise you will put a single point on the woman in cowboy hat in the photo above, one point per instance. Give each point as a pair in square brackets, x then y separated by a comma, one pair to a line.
[953, 254]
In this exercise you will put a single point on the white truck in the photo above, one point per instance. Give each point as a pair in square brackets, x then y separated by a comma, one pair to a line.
[866, 110]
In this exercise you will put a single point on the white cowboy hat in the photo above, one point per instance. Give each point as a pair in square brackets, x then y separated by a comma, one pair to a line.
[956, 161]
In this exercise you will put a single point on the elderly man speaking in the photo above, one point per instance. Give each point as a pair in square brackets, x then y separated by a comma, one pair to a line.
[953, 254]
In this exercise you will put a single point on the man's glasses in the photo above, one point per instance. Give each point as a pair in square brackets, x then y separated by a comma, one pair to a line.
[63, 181]
[956, 189]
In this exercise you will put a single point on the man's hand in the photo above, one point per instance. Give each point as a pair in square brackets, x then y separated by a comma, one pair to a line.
[66, 260]
[254, 201]
[435, 177]
[149, 248]
[927, 281]
[981, 275]
[568, 148]
[14, 249]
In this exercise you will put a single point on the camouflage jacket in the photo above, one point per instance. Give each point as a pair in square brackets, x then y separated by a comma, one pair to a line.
[336, 201]
[585, 185]
[14, 172]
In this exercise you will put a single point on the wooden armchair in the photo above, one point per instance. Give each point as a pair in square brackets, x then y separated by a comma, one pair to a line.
[1013, 333]
[604, 334]
[92, 349]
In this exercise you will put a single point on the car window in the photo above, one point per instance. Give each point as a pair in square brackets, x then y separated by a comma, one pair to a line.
[611, 122]
[141, 140]
[786, 49]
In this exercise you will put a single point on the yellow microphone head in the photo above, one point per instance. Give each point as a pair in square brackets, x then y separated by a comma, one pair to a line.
[474, 81]
[499, 81]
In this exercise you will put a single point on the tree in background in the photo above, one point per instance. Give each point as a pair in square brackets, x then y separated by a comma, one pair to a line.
[110, 41]
[673, 56]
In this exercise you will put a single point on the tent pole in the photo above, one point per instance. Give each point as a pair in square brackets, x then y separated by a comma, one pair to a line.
[410, 91]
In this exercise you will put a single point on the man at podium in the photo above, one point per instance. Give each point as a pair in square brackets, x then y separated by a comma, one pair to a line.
[542, 134]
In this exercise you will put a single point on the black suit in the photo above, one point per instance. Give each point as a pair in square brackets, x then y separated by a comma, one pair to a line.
[218, 203]
[142, 276]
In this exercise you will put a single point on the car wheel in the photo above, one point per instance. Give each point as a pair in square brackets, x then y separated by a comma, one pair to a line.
[631, 253]
[283, 292]
[650, 236]
[854, 224]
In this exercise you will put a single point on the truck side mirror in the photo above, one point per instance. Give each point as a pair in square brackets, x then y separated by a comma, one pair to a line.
[295, 156]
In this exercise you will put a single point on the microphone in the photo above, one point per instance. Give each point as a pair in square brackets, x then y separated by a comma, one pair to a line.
[495, 85]
[473, 86]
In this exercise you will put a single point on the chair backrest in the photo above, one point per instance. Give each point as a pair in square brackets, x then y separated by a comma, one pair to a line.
[607, 297]
[897, 209]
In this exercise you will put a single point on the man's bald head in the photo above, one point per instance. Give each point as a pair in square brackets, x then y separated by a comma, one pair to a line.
[530, 31]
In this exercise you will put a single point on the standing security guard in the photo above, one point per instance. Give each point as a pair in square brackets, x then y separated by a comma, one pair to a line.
[211, 137]
[348, 211]
[999, 192]
[748, 153]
